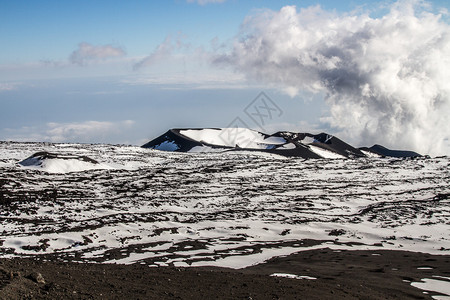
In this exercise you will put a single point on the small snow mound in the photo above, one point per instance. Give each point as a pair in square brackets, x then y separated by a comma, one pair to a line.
[60, 163]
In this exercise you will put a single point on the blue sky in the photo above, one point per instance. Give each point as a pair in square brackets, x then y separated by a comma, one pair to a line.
[54, 28]
[125, 71]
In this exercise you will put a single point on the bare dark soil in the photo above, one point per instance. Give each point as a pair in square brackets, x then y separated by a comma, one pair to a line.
[340, 275]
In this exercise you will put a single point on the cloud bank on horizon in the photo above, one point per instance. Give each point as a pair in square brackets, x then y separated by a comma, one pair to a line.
[87, 52]
[385, 79]
[74, 132]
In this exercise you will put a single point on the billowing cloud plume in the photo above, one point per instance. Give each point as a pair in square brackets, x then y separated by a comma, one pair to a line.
[386, 79]
[88, 53]
[203, 2]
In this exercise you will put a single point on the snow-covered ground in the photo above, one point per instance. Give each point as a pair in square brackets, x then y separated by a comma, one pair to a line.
[227, 209]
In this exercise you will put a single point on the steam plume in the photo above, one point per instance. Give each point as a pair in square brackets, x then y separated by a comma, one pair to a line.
[387, 79]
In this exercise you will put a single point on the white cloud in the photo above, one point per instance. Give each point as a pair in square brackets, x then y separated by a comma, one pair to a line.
[204, 2]
[386, 78]
[89, 131]
[88, 53]
[8, 86]
[75, 132]
[220, 79]
[163, 52]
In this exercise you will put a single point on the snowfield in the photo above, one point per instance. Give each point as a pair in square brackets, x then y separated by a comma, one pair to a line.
[230, 209]
[246, 138]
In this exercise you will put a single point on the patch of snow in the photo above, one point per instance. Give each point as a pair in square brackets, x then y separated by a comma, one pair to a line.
[370, 154]
[292, 276]
[442, 277]
[325, 153]
[274, 140]
[243, 261]
[233, 137]
[167, 146]
[288, 146]
[204, 149]
[308, 140]
[435, 285]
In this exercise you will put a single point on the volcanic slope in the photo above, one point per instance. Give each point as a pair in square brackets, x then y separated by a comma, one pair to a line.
[230, 209]
[236, 209]
[283, 143]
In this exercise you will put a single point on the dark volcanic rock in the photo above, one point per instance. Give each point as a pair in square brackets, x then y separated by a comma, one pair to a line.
[327, 274]
[36, 277]
[172, 140]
